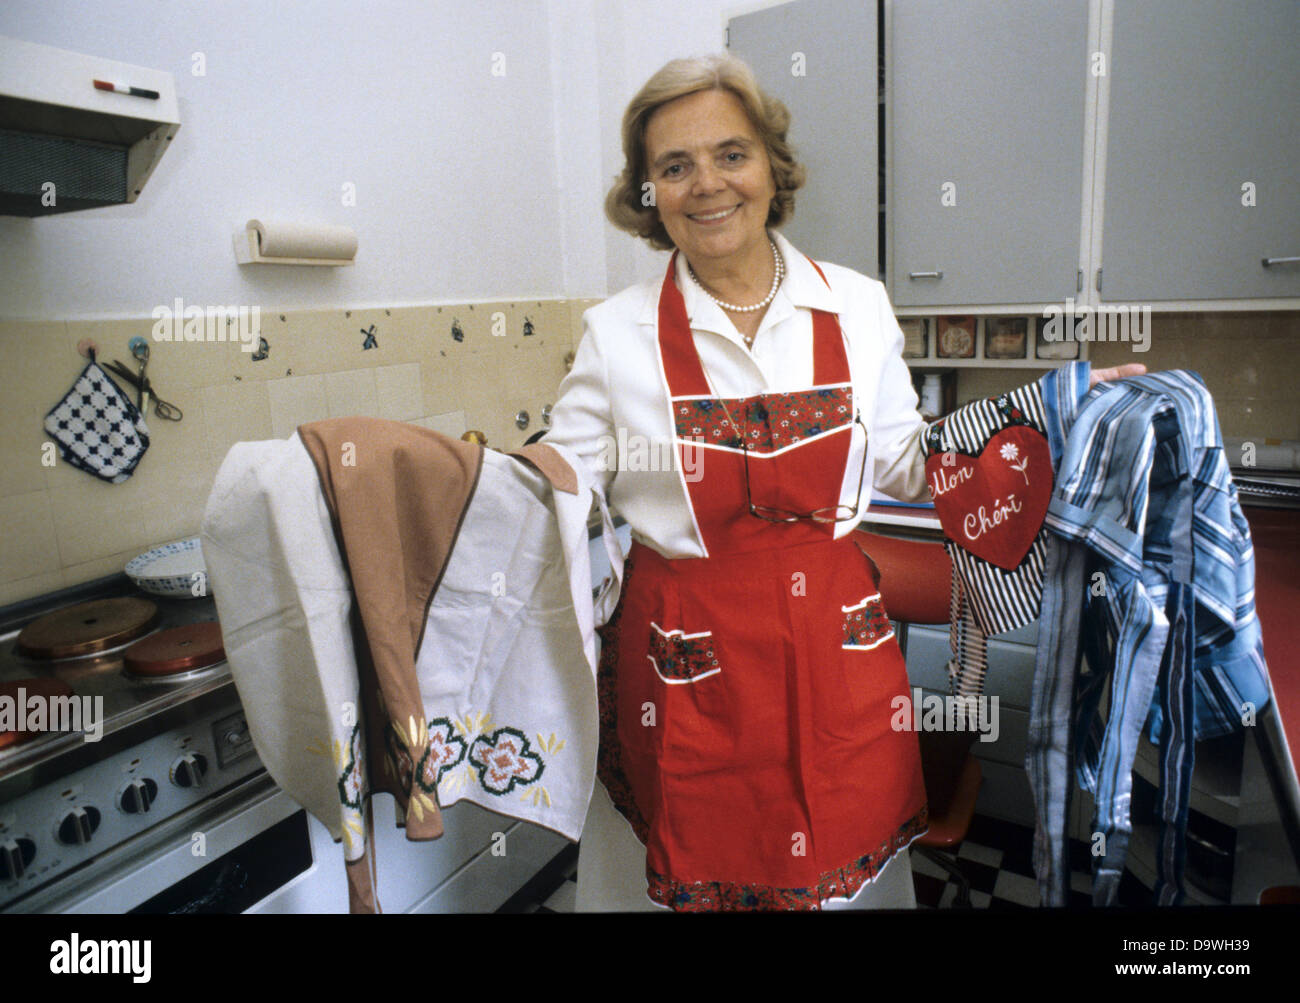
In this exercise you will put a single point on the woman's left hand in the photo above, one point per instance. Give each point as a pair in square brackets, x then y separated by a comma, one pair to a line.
[1115, 373]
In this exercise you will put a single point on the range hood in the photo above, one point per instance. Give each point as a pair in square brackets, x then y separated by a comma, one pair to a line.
[77, 131]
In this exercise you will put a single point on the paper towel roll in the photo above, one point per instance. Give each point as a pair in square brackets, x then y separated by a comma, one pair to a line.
[284, 242]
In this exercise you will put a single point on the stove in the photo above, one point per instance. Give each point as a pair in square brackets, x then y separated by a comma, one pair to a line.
[119, 727]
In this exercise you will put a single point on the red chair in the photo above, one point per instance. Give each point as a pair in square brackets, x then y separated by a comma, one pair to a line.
[915, 580]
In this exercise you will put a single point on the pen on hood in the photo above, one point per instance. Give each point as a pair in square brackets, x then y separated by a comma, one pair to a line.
[139, 92]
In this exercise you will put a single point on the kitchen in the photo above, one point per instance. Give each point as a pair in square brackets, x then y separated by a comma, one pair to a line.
[422, 141]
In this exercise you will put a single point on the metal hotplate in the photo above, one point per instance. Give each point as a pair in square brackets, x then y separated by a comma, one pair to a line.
[116, 700]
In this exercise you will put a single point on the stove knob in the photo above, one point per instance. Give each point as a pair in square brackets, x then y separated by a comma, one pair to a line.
[15, 855]
[189, 769]
[78, 826]
[139, 796]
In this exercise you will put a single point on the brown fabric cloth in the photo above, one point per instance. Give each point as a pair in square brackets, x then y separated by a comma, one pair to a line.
[397, 495]
[551, 464]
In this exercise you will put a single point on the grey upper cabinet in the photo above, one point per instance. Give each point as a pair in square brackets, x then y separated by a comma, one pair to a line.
[985, 102]
[1203, 114]
[819, 58]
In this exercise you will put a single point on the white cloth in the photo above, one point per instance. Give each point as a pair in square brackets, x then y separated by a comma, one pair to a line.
[509, 641]
[613, 408]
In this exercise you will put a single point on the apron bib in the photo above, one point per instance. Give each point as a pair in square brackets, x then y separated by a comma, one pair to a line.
[746, 697]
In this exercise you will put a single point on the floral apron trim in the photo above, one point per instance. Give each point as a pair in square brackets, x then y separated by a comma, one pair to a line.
[842, 882]
[773, 421]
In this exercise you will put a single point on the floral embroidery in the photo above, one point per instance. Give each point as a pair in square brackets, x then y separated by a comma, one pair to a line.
[467, 727]
[934, 436]
[443, 753]
[352, 783]
[1008, 414]
[771, 421]
[349, 761]
[866, 625]
[840, 882]
[1009, 452]
[504, 761]
[539, 794]
[682, 658]
[1009, 411]
[402, 766]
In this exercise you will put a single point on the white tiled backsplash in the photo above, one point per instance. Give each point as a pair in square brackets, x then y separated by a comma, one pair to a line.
[61, 526]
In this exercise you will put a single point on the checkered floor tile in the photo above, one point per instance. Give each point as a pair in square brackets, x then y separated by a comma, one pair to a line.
[996, 857]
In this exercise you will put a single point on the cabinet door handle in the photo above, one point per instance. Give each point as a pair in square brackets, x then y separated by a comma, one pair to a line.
[1269, 262]
[925, 275]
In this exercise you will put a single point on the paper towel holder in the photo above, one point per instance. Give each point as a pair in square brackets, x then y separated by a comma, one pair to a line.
[257, 243]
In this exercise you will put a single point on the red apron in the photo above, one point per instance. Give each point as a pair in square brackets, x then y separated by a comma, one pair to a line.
[746, 697]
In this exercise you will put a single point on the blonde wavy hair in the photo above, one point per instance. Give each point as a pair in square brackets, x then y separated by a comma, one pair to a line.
[681, 77]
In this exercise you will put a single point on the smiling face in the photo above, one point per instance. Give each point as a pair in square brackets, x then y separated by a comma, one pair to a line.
[713, 181]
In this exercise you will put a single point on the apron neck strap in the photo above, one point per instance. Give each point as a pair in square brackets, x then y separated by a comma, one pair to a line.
[681, 360]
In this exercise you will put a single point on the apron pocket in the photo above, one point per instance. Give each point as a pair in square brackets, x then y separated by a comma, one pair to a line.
[866, 624]
[873, 672]
[690, 690]
[679, 657]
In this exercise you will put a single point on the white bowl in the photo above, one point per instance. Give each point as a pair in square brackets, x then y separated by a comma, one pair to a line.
[173, 569]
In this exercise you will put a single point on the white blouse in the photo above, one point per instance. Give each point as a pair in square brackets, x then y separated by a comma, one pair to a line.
[614, 411]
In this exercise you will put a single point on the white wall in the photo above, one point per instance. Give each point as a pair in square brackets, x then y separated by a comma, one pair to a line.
[469, 186]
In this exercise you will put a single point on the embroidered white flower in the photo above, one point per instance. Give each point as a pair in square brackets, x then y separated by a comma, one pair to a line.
[1009, 452]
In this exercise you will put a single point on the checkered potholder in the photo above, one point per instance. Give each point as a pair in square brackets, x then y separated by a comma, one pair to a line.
[98, 428]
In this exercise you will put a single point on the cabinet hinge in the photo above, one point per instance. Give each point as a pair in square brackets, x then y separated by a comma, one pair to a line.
[1098, 280]
[1078, 282]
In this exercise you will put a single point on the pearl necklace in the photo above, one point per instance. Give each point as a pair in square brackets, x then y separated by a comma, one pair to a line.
[777, 275]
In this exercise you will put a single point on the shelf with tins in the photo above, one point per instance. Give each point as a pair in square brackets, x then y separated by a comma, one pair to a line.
[994, 341]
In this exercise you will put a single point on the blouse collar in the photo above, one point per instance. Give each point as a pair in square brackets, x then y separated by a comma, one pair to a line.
[801, 288]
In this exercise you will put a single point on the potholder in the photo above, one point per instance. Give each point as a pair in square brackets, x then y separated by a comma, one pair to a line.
[98, 428]
[989, 469]
[995, 502]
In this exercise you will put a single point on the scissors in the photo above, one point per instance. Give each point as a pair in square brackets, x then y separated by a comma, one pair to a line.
[144, 389]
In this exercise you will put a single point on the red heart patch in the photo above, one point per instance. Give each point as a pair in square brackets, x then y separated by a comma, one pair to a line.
[993, 505]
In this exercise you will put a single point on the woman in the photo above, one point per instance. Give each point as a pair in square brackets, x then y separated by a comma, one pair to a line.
[738, 410]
